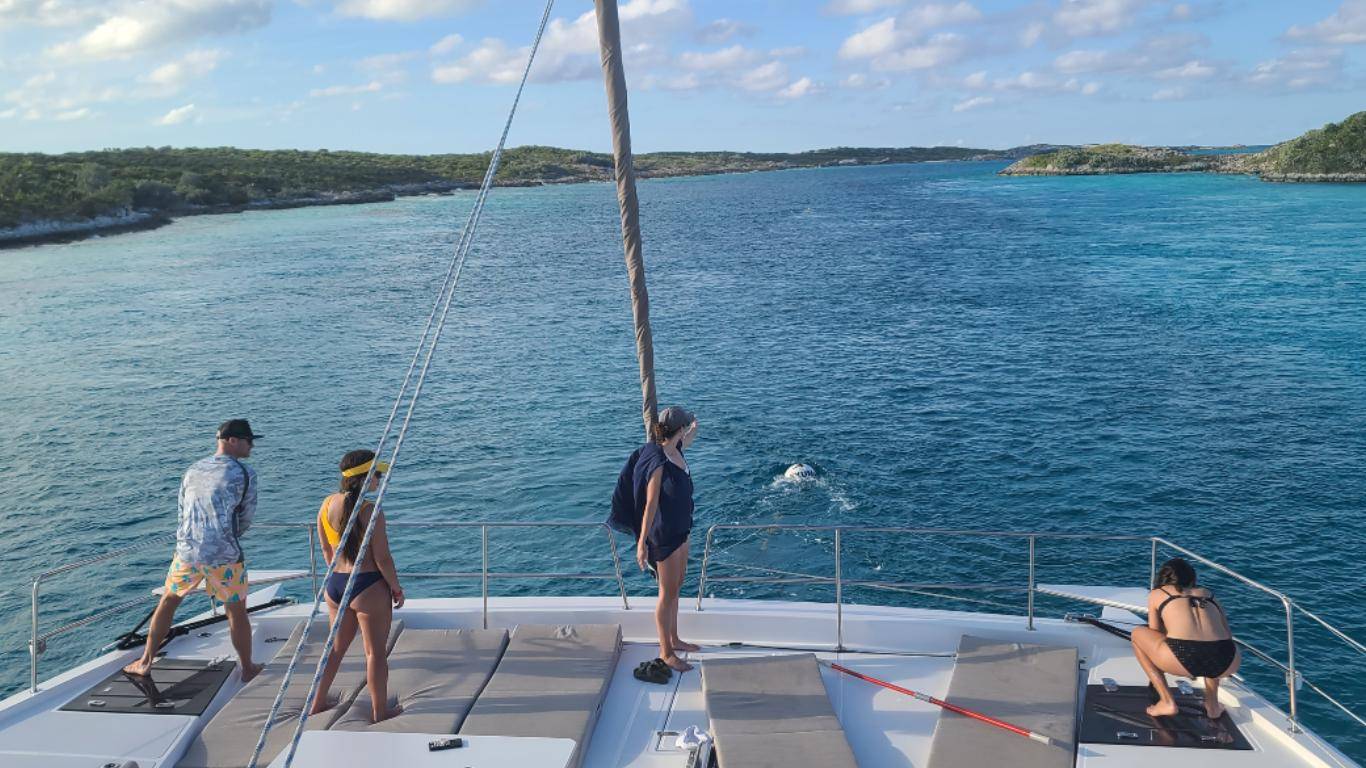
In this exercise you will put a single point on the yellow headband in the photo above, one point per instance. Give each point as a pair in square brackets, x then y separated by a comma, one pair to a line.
[363, 468]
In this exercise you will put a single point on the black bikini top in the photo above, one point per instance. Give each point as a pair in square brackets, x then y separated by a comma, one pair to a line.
[1200, 602]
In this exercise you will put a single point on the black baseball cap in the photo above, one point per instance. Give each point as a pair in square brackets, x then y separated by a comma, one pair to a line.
[236, 428]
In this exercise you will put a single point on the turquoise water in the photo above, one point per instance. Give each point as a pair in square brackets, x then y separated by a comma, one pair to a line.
[1174, 354]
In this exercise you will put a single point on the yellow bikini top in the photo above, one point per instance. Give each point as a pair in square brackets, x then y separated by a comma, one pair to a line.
[333, 536]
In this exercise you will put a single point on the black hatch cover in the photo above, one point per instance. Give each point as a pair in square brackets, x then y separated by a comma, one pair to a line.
[175, 687]
[1118, 717]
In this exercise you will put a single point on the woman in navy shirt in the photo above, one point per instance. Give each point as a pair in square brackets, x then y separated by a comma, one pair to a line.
[661, 479]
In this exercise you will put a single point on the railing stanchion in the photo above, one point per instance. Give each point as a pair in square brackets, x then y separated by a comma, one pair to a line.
[1152, 567]
[1029, 599]
[33, 649]
[484, 572]
[1291, 678]
[702, 577]
[839, 596]
[616, 563]
[313, 558]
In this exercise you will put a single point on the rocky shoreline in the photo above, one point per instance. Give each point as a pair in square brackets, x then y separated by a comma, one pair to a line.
[46, 231]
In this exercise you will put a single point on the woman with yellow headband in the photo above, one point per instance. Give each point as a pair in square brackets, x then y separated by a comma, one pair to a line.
[376, 591]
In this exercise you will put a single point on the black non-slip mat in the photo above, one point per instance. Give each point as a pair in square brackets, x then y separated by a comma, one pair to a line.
[1118, 717]
[175, 687]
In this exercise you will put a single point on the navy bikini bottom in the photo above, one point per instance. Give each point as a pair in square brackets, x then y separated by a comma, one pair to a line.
[1203, 658]
[336, 584]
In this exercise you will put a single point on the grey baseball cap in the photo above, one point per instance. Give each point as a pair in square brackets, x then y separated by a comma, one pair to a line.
[675, 418]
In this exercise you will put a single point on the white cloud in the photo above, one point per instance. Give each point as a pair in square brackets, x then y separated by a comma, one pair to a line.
[924, 18]
[47, 13]
[798, 88]
[1299, 70]
[722, 31]
[788, 52]
[1191, 70]
[404, 10]
[871, 41]
[74, 114]
[1084, 18]
[726, 58]
[1076, 62]
[569, 49]
[172, 77]
[859, 81]
[9, 113]
[1347, 26]
[1169, 94]
[1032, 33]
[857, 7]
[766, 77]
[939, 50]
[1090, 89]
[446, 44]
[177, 115]
[144, 24]
[973, 103]
[902, 43]
[346, 90]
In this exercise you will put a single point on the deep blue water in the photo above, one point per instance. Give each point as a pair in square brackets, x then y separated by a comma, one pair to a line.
[1172, 354]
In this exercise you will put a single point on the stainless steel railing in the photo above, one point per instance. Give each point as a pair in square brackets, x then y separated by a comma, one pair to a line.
[1292, 676]
[38, 644]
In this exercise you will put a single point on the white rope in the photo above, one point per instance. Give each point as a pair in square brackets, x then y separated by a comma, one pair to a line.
[436, 322]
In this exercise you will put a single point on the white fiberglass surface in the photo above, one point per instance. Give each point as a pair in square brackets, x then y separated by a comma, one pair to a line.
[884, 728]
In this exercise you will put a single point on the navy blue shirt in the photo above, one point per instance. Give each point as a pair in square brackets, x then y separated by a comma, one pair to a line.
[673, 521]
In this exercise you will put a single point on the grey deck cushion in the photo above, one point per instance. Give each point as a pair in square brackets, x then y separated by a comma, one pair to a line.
[434, 675]
[773, 712]
[550, 683]
[228, 740]
[1031, 686]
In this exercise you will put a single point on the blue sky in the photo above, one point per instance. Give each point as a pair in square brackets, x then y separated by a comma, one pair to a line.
[436, 75]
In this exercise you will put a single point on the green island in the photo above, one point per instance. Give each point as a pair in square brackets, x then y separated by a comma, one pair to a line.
[58, 197]
[1334, 153]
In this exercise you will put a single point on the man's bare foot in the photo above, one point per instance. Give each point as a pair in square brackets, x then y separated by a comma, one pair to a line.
[1214, 709]
[677, 664]
[394, 712]
[141, 668]
[250, 671]
[1163, 709]
[679, 645]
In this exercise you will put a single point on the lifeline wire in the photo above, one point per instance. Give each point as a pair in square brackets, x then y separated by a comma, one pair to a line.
[436, 322]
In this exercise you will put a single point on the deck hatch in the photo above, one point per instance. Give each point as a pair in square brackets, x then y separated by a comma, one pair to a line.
[1118, 717]
[175, 687]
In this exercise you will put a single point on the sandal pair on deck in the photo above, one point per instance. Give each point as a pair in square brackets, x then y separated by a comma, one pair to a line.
[653, 671]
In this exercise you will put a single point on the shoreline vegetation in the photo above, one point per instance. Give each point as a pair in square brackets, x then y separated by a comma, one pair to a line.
[1335, 153]
[54, 198]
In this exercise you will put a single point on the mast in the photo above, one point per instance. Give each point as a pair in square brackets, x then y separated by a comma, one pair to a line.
[609, 38]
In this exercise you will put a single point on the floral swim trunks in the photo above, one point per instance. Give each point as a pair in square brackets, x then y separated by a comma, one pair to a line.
[224, 583]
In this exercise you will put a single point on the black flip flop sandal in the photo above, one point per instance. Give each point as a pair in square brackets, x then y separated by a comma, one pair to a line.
[650, 672]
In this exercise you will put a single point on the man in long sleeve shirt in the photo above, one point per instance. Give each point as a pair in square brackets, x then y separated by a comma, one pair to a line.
[217, 505]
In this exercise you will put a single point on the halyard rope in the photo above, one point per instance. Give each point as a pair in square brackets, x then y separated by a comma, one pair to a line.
[431, 335]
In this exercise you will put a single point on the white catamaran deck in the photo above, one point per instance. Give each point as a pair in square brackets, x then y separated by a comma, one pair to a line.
[914, 648]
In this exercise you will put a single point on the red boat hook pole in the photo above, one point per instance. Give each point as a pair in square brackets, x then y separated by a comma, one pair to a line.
[1039, 737]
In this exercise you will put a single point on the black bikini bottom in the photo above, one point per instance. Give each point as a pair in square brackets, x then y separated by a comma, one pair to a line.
[336, 584]
[1203, 658]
